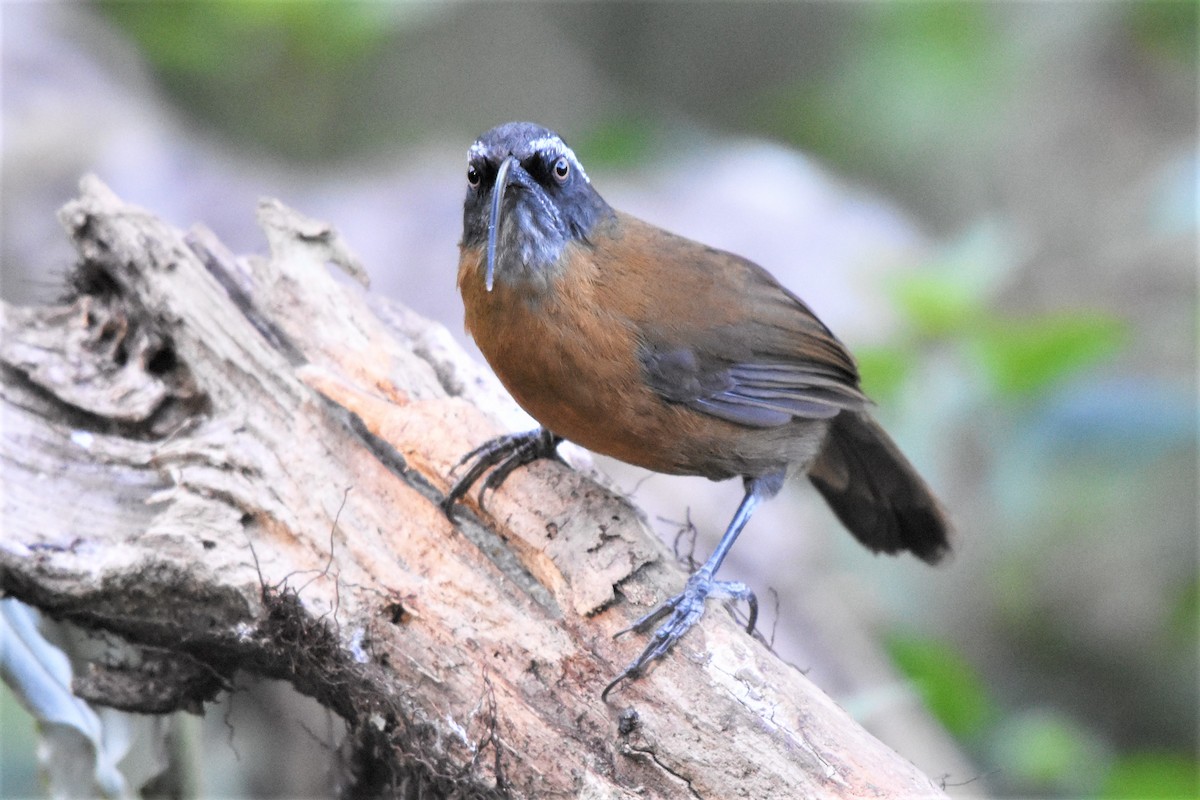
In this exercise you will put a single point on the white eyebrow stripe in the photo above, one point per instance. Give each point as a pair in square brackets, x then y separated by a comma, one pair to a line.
[548, 143]
[559, 146]
[541, 143]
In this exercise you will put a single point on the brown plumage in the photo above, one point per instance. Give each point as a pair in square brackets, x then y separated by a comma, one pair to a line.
[661, 352]
[566, 354]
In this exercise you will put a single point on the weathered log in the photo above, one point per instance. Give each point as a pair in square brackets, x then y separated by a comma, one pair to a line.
[235, 463]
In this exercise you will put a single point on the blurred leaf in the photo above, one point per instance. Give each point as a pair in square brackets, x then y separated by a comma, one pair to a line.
[1014, 591]
[1166, 29]
[323, 33]
[1045, 751]
[883, 369]
[618, 142]
[297, 78]
[1153, 775]
[950, 687]
[932, 53]
[936, 303]
[1184, 622]
[1027, 356]
[887, 94]
[229, 35]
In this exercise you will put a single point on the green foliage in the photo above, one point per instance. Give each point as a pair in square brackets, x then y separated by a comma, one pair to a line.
[1047, 752]
[227, 36]
[888, 94]
[934, 55]
[950, 687]
[1184, 621]
[1166, 29]
[1026, 356]
[883, 370]
[1019, 357]
[295, 78]
[621, 141]
[1153, 775]
[936, 303]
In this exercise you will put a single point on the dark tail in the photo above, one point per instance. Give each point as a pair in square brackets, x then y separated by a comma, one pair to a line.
[876, 493]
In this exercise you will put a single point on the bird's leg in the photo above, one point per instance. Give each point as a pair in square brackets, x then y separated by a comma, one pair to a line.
[686, 608]
[505, 453]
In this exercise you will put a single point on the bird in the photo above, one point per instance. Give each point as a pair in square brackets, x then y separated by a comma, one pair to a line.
[667, 354]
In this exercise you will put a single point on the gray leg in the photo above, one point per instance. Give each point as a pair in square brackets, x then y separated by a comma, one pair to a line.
[686, 608]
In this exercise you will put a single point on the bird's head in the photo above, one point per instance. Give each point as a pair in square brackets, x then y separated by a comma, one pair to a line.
[528, 197]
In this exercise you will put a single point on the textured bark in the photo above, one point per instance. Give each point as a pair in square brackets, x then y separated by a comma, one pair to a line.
[234, 463]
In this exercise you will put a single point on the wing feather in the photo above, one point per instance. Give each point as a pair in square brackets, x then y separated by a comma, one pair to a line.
[736, 344]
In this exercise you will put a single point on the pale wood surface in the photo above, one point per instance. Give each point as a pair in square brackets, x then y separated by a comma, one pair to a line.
[236, 462]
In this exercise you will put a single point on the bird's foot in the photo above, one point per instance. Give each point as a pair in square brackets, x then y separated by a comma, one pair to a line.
[682, 612]
[504, 453]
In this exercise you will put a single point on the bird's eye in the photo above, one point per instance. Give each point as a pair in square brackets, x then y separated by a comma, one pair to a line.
[562, 169]
[473, 175]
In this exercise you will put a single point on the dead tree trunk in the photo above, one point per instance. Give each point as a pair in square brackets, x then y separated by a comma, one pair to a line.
[235, 463]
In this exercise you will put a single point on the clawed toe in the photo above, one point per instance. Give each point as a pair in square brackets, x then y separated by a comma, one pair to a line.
[681, 612]
[502, 455]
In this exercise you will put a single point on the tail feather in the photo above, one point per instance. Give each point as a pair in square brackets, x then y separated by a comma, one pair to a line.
[876, 493]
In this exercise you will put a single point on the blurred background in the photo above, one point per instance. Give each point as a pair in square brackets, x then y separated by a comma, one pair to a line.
[992, 204]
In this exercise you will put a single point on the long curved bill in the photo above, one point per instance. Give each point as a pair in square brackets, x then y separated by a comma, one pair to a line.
[494, 219]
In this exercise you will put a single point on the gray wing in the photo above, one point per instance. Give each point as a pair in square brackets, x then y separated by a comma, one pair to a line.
[755, 374]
